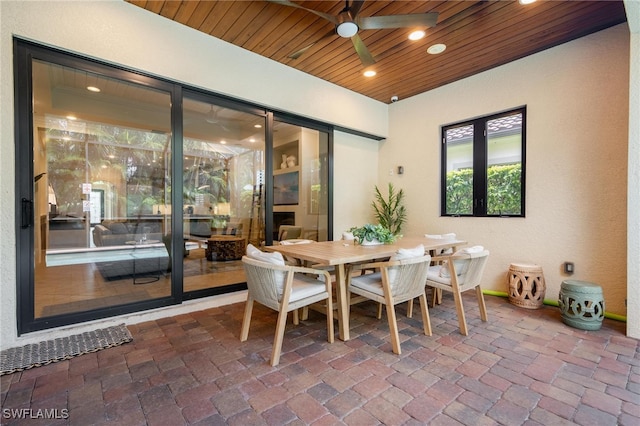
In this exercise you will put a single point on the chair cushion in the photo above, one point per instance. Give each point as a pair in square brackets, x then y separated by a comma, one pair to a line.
[436, 273]
[295, 241]
[118, 228]
[460, 264]
[401, 254]
[251, 250]
[304, 286]
[348, 236]
[469, 250]
[274, 258]
[369, 282]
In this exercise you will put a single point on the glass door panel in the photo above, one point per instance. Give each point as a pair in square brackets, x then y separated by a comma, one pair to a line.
[101, 157]
[223, 192]
[300, 183]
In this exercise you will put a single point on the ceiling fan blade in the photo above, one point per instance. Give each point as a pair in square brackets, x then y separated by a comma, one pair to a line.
[298, 53]
[398, 21]
[354, 9]
[326, 16]
[362, 51]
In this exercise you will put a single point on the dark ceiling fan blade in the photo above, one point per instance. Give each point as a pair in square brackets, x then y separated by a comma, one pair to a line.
[326, 16]
[362, 51]
[298, 53]
[398, 21]
[354, 9]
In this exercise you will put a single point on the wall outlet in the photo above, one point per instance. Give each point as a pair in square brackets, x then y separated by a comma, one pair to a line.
[569, 268]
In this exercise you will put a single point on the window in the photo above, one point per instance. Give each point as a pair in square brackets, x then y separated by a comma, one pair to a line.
[483, 166]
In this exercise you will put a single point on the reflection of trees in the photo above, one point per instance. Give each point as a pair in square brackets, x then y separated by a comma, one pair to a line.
[207, 176]
[66, 172]
[112, 154]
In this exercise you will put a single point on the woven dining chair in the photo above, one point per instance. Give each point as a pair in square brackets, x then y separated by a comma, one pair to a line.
[396, 281]
[284, 288]
[460, 272]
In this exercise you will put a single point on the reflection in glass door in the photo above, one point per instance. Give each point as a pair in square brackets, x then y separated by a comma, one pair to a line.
[101, 156]
[300, 183]
[223, 192]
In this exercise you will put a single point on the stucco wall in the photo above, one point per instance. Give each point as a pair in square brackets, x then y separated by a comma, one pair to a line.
[633, 228]
[576, 183]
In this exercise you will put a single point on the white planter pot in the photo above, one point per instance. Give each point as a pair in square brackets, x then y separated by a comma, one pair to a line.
[373, 242]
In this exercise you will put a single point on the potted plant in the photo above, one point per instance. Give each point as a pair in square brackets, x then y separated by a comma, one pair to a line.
[391, 213]
[370, 234]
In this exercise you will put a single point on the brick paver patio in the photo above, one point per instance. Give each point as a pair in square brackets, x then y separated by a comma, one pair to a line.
[521, 367]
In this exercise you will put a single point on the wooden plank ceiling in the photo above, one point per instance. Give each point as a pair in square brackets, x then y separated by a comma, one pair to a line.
[478, 35]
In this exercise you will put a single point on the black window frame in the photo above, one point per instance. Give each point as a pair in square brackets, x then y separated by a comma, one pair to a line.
[480, 164]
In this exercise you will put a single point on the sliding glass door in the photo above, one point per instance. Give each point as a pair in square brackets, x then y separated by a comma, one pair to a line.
[135, 193]
[223, 189]
[101, 176]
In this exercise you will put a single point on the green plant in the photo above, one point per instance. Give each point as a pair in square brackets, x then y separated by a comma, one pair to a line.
[370, 232]
[504, 189]
[390, 212]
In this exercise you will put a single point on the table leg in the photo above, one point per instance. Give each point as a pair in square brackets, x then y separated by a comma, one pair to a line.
[341, 298]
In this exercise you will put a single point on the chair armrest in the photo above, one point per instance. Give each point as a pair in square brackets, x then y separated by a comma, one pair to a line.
[318, 272]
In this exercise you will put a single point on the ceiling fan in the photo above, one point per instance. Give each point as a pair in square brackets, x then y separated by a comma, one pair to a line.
[347, 24]
[212, 118]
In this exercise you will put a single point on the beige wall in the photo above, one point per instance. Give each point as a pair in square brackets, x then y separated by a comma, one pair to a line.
[633, 220]
[577, 108]
[355, 176]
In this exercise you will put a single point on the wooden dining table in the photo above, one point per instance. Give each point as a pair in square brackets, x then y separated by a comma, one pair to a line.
[344, 252]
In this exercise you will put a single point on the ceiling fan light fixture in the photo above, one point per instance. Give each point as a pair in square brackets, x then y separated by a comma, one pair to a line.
[346, 27]
[417, 35]
[436, 49]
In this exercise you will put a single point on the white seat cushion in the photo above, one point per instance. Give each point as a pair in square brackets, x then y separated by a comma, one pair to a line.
[274, 258]
[369, 282]
[435, 274]
[401, 254]
[409, 253]
[461, 265]
[304, 286]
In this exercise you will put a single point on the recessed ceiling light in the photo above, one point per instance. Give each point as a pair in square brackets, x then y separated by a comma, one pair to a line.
[93, 89]
[417, 35]
[369, 73]
[223, 142]
[436, 48]
[526, 1]
[258, 126]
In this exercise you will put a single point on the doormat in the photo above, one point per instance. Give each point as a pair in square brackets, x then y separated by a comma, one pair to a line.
[43, 353]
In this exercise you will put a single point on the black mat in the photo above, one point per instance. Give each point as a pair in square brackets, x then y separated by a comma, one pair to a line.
[43, 353]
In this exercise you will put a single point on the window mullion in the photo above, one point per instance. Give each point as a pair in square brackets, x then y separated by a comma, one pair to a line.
[479, 168]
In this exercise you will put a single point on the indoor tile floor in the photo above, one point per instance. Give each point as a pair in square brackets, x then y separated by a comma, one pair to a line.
[521, 367]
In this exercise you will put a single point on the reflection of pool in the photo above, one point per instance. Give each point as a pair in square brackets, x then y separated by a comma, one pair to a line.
[144, 262]
[61, 257]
